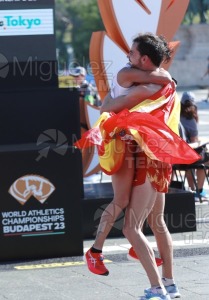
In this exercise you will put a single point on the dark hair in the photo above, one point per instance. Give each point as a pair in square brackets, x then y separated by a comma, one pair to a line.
[189, 110]
[155, 47]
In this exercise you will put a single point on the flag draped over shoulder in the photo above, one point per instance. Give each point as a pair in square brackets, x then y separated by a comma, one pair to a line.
[152, 124]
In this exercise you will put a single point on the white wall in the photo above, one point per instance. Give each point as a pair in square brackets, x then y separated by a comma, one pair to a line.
[190, 62]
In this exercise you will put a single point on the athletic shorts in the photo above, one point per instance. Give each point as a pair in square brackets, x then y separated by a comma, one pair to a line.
[159, 173]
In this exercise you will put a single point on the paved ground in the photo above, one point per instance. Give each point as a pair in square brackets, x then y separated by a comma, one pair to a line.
[68, 278]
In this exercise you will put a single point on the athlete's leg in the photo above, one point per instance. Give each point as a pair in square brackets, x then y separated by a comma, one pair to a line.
[142, 200]
[122, 185]
[162, 235]
[165, 245]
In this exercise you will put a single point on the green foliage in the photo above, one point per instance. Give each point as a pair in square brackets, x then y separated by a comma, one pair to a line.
[63, 27]
[75, 22]
[197, 12]
[86, 19]
[77, 19]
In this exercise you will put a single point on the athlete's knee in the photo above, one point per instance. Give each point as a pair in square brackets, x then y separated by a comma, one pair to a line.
[158, 227]
[122, 201]
[130, 228]
[126, 230]
[156, 220]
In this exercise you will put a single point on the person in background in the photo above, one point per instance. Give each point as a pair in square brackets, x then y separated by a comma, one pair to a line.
[87, 91]
[87, 94]
[189, 120]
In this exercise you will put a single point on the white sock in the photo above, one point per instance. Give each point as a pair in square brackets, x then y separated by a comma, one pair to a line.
[158, 290]
[168, 281]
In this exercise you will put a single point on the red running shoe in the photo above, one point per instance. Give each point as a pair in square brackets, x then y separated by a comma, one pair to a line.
[132, 256]
[95, 263]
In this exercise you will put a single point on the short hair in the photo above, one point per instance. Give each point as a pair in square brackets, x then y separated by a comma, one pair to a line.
[155, 47]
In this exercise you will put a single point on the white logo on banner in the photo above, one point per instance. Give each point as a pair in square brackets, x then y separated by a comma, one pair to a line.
[26, 22]
[31, 185]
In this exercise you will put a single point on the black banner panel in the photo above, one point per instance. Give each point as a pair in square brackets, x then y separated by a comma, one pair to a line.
[27, 30]
[26, 75]
[27, 40]
[41, 175]
[26, 116]
[40, 208]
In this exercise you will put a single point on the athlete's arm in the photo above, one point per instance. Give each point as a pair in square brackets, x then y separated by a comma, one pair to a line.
[128, 76]
[135, 96]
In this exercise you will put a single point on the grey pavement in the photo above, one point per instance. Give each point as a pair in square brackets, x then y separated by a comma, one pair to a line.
[68, 277]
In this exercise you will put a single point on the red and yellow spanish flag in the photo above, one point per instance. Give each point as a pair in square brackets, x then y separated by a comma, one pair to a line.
[152, 124]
